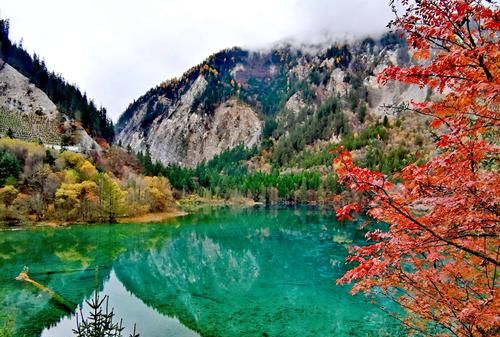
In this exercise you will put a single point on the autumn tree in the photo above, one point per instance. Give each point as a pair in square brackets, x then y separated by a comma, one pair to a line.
[111, 198]
[439, 257]
[41, 184]
[8, 194]
[136, 190]
[147, 194]
[77, 201]
[158, 194]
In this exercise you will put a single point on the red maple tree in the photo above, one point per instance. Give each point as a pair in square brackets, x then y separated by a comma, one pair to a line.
[440, 255]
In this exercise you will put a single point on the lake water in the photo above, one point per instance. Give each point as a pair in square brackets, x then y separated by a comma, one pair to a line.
[224, 273]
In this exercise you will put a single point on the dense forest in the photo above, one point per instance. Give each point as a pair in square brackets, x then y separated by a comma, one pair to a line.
[40, 184]
[292, 162]
[68, 98]
[304, 177]
[228, 176]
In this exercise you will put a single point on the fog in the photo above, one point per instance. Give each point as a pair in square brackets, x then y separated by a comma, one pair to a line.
[115, 50]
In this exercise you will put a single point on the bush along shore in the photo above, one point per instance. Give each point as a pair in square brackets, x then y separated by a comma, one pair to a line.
[40, 185]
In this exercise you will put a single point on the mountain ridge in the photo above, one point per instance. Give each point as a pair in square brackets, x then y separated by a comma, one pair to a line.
[69, 101]
[277, 85]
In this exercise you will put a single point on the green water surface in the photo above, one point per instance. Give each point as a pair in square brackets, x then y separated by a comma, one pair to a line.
[224, 273]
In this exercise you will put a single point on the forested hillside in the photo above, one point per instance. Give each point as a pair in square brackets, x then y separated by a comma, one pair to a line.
[295, 96]
[68, 98]
[40, 184]
[307, 101]
[250, 124]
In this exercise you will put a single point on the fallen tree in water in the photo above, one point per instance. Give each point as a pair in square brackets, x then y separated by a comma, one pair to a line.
[24, 277]
[100, 321]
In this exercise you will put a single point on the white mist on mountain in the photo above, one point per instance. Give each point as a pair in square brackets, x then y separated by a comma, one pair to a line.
[115, 50]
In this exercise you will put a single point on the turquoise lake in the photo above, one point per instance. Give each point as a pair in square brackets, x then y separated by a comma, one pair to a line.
[217, 273]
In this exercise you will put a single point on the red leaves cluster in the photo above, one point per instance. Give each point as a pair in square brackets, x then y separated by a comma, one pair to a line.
[441, 251]
[344, 212]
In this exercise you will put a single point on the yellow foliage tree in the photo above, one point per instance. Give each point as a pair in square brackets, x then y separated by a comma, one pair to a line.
[158, 193]
[87, 170]
[77, 200]
[17, 147]
[111, 197]
[8, 194]
[136, 187]
[71, 159]
[148, 194]
[70, 176]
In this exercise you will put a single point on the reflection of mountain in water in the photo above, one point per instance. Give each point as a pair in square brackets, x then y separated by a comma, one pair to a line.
[249, 279]
[224, 273]
[125, 305]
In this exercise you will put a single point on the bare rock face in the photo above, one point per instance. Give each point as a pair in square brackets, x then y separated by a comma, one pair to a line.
[187, 137]
[223, 102]
[382, 95]
[165, 135]
[233, 123]
[337, 84]
[30, 114]
[295, 103]
[18, 94]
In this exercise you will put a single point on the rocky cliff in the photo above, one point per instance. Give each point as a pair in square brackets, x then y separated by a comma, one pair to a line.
[18, 94]
[231, 97]
[187, 138]
[27, 113]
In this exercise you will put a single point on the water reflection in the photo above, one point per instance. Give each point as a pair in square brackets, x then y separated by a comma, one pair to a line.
[131, 309]
[220, 273]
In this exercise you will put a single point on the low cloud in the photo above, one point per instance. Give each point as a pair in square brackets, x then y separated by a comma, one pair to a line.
[116, 50]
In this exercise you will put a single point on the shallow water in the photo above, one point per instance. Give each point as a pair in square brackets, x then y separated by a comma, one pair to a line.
[225, 273]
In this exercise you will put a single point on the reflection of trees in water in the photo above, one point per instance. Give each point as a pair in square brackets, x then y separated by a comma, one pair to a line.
[179, 278]
[219, 272]
[63, 260]
[257, 277]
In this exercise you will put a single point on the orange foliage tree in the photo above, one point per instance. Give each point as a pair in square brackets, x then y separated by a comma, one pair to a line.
[440, 255]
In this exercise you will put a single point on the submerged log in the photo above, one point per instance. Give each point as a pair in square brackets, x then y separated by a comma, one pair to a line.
[24, 277]
[206, 297]
[69, 271]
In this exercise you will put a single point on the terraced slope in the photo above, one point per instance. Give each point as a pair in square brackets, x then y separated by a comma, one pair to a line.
[30, 127]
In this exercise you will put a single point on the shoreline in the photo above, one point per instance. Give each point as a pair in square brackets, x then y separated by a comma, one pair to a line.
[144, 219]
[194, 202]
[152, 217]
[185, 206]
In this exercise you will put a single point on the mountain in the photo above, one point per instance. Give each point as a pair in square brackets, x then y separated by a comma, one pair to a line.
[251, 97]
[27, 113]
[37, 104]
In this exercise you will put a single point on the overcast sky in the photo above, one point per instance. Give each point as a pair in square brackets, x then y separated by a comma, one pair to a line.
[115, 50]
